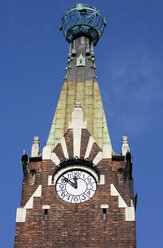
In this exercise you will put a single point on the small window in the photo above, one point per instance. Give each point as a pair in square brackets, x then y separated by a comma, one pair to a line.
[32, 177]
[45, 214]
[120, 178]
[104, 214]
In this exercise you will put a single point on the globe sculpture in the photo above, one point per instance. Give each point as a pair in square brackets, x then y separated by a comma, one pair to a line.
[83, 20]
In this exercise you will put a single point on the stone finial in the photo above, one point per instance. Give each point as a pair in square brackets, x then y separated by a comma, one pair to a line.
[35, 147]
[125, 145]
[77, 117]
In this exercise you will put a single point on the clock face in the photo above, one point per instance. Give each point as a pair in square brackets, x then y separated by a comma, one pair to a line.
[76, 186]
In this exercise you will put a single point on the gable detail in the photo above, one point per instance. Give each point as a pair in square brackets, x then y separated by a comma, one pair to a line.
[71, 142]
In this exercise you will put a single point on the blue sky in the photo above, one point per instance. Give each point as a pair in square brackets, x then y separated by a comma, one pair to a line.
[129, 59]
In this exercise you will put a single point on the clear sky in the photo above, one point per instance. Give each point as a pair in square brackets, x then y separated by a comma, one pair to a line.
[129, 62]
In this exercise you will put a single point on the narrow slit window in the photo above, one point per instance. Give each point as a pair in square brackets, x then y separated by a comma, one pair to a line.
[32, 177]
[104, 214]
[45, 214]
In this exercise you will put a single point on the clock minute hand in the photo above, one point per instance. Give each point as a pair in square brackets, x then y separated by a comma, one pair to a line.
[75, 179]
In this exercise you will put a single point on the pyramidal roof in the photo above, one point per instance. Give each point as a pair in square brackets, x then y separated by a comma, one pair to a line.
[80, 85]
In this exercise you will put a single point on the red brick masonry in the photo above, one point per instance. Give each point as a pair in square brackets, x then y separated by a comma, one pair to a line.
[76, 225]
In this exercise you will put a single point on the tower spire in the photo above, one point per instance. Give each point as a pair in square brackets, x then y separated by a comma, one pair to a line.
[78, 186]
[82, 27]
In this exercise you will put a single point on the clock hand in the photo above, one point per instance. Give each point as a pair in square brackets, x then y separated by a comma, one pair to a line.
[75, 179]
[68, 181]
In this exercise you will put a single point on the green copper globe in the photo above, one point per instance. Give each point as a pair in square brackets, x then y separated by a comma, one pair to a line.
[83, 20]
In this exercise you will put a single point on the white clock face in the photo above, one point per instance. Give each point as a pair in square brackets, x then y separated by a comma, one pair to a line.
[76, 186]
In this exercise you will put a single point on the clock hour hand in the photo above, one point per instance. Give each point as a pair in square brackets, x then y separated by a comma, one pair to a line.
[71, 183]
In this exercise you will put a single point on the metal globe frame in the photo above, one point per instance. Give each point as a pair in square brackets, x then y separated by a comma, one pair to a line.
[83, 20]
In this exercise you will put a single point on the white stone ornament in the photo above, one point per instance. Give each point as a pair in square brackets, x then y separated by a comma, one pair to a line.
[76, 186]
[35, 147]
[125, 146]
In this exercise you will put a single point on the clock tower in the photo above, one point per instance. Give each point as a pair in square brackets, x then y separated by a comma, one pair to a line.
[78, 192]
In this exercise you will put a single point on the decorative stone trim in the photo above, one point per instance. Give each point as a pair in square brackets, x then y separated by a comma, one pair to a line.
[129, 211]
[46, 153]
[107, 151]
[20, 215]
[102, 180]
[77, 118]
[98, 158]
[89, 146]
[104, 206]
[55, 159]
[64, 147]
[21, 212]
[77, 125]
[46, 207]
[50, 181]
[37, 193]
[114, 192]
[76, 142]
[130, 214]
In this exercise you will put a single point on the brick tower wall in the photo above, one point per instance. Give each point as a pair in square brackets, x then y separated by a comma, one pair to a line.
[77, 225]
